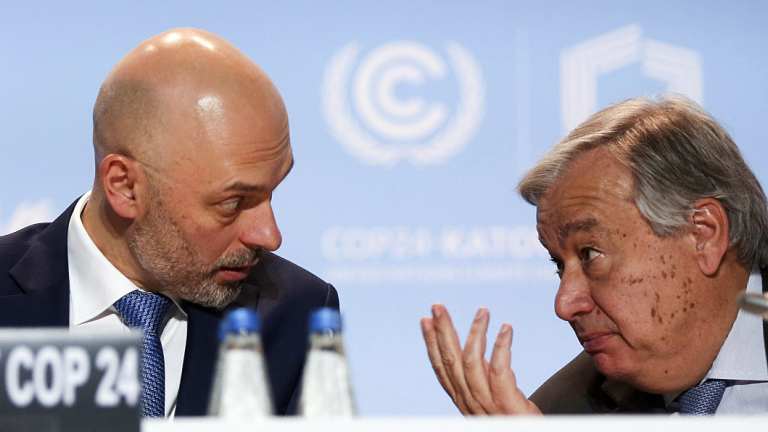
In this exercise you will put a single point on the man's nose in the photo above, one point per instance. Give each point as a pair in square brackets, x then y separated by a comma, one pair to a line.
[573, 296]
[259, 230]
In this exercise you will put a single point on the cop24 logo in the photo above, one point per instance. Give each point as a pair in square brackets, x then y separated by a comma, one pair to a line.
[376, 121]
[51, 376]
[581, 66]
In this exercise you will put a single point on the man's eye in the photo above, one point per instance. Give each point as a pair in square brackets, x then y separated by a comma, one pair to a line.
[588, 254]
[230, 205]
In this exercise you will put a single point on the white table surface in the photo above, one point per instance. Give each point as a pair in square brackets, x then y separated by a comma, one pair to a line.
[451, 424]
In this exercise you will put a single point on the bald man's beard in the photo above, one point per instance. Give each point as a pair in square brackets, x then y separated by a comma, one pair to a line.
[176, 268]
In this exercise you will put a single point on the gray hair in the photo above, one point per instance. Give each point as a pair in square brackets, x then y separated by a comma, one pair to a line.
[677, 154]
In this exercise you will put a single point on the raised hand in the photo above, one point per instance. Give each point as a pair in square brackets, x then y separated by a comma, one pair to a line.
[476, 386]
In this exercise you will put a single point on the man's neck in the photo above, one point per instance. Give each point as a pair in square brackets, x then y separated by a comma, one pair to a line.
[107, 231]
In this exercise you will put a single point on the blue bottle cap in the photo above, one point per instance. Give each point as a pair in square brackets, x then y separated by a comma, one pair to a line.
[325, 319]
[240, 320]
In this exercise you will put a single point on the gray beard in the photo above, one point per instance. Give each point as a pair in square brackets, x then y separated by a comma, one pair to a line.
[176, 268]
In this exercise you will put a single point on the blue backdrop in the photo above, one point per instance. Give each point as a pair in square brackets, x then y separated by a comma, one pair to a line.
[411, 124]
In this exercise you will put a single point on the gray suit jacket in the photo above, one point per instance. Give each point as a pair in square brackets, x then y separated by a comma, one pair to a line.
[579, 388]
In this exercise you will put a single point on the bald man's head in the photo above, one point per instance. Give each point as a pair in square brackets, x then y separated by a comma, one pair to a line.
[178, 79]
[191, 139]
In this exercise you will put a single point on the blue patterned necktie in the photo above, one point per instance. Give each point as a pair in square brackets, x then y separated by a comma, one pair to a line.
[704, 398]
[147, 311]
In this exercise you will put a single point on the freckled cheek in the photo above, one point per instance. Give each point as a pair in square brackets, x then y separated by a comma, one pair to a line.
[672, 291]
[631, 302]
[615, 301]
[644, 321]
[647, 296]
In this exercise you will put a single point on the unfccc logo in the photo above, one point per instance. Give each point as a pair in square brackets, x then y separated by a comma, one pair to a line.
[383, 126]
[582, 65]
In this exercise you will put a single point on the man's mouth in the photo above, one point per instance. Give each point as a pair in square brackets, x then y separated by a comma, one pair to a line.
[234, 274]
[594, 342]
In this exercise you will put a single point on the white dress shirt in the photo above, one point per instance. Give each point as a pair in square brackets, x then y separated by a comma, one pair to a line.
[742, 359]
[95, 284]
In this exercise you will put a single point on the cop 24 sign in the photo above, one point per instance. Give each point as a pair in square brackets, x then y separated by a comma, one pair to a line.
[53, 380]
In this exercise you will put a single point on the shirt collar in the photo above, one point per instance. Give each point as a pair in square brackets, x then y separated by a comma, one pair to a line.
[742, 356]
[95, 283]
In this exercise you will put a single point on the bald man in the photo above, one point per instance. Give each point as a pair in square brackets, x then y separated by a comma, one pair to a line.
[190, 141]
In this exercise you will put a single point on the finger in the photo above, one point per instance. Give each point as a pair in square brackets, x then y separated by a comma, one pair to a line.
[450, 353]
[444, 336]
[474, 362]
[508, 398]
[433, 351]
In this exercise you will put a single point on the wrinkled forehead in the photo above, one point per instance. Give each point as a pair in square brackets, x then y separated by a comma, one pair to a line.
[592, 193]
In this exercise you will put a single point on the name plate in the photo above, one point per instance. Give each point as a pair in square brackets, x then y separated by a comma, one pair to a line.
[56, 381]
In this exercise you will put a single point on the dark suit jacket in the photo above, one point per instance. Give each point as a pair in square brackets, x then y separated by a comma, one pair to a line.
[578, 388]
[34, 292]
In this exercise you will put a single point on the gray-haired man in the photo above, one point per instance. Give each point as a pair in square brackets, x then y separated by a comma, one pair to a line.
[656, 225]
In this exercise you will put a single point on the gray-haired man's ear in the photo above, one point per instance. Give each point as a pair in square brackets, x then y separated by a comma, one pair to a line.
[710, 232]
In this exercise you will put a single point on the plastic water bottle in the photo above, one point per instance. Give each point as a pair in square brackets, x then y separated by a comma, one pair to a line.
[326, 389]
[240, 386]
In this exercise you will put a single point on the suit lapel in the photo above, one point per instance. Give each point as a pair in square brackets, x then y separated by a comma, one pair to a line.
[43, 275]
[200, 356]
[617, 397]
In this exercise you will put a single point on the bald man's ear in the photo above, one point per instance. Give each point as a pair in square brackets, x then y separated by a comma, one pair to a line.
[710, 232]
[118, 174]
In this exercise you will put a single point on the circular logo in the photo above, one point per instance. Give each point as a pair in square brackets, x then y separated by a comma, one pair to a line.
[377, 121]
